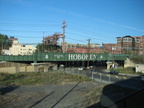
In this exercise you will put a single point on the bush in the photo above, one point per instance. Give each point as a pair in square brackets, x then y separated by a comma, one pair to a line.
[138, 60]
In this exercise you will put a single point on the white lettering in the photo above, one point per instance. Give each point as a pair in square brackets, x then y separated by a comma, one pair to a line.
[85, 57]
[70, 57]
[92, 56]
[77, 56]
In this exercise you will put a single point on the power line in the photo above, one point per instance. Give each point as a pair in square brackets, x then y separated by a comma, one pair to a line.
[91, 34]
[25, 31]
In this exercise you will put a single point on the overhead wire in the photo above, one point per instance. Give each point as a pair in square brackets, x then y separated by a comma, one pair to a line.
[81, 32]
[90, 34]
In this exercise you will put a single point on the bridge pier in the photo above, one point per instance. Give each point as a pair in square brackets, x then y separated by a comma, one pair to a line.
[35, 67]
[17, 68]
[45, 67]
[111, 64]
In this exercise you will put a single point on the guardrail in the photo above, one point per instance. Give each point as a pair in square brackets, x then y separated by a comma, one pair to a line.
[107, 78]
[97, 76]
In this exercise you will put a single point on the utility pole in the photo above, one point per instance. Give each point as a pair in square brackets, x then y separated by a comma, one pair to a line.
[63, 45]
[88, 51]
[43, 43]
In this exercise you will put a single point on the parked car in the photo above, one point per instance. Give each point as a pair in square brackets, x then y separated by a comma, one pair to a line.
[113, 72]
[81, 68]
[142, 77]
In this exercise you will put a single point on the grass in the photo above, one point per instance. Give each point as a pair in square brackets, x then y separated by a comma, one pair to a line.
[126, 70]
[40, 78]
[112, 91]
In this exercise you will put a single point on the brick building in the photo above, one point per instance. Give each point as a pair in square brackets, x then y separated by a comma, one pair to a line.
[130, 45]
[86, 50]
[112, 48]
[141, 44]
[124, 45]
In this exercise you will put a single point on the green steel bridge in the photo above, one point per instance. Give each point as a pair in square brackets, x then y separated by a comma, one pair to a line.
[65, 57]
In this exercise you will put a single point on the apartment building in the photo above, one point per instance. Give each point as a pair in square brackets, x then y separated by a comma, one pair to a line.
[20, 49]
[140, 44]
[130, 45]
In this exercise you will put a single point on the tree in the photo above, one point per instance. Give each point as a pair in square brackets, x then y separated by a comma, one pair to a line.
[48, 48]
[5, 42]
[138, 60]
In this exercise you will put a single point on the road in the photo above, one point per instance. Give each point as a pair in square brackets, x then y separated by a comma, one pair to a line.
[131, 81]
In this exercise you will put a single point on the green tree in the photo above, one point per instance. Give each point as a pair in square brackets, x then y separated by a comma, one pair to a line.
[138, 60]
[5, 42]
[48, 48]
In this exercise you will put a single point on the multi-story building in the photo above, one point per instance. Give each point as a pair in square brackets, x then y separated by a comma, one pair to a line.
[14, 40]
[140, 44]
[20, 49]
[67, 45]
[130, 45]
[80, 48]
[111, 48]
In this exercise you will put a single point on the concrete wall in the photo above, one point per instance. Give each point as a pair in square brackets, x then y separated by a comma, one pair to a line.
[32, 68]
[10, 64]
[128, 63]
[10, 70]
[139, 68]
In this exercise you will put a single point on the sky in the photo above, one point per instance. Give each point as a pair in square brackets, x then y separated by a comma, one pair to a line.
[101, 21]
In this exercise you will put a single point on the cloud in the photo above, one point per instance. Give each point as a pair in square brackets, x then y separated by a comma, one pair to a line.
[99, 20]
[94, 19]
[55, 10]
[77, 15]
[20, 2]
[132, 28]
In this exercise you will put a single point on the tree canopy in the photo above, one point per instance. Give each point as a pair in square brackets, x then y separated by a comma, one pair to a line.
[138, 60]
[5, 42]
[48, 48]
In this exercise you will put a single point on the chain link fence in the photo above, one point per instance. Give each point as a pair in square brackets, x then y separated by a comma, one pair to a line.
[97, 76]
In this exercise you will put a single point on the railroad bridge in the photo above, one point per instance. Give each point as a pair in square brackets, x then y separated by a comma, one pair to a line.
[39, 60]
[64, 57]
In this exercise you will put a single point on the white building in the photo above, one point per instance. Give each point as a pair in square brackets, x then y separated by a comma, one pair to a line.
[20, 49]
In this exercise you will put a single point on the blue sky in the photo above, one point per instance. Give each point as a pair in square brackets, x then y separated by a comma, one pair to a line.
[98, 20]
